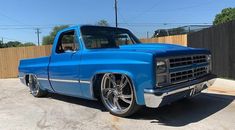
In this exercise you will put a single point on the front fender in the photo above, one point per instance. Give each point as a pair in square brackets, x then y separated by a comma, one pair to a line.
[138, 66]
[139, 82]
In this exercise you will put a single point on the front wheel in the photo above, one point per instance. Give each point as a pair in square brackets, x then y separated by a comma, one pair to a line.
[117, 95]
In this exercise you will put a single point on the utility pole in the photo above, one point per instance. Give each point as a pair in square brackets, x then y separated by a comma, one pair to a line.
[116, 14]
[38, 32]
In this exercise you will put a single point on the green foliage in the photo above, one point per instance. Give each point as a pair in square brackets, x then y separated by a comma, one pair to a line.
[103, 23]
[47, 40]
[28, 44]
[226, 15]
[15, 44]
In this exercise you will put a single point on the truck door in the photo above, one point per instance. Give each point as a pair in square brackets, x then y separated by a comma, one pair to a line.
[64, 64]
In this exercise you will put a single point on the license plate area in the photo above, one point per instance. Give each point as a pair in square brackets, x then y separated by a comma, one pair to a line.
[197, 89]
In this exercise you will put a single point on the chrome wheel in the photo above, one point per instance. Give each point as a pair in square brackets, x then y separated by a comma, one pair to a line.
[117, 93]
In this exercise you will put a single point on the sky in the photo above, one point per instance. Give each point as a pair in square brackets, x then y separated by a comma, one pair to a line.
[20, 18]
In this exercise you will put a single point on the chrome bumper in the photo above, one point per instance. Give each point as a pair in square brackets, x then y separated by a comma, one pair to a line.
[156, 97]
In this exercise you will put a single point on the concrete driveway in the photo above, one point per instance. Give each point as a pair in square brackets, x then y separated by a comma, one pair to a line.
[214, 109]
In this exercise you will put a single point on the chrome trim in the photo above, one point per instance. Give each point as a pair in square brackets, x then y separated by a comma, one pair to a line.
[64, 80]
[42, 78]
[154, 100]
[85, 82]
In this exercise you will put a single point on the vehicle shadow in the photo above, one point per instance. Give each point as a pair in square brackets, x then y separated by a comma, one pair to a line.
[78, 101]
[186, 111]
[177, 114]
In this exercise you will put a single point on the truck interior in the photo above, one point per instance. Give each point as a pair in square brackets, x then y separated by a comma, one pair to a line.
[67, 42]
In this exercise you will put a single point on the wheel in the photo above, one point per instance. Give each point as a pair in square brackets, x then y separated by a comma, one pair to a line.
[34, 87]
[117, 95]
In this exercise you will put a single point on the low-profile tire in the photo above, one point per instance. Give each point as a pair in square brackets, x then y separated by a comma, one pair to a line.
[35, 88]
[117, 95]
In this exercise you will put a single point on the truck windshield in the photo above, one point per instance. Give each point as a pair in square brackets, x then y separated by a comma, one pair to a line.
[95, 37]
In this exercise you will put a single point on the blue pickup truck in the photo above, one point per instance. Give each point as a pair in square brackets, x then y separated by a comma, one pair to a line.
[112, 65]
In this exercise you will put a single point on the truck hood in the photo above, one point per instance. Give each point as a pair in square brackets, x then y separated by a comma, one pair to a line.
[163, 49]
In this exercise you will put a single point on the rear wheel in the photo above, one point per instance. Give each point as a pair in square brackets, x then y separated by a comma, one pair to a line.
[117, 94]
[34, 87]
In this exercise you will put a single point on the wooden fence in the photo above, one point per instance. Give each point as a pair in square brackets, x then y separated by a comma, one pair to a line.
[220, 40]
[9, 57]
[176, 39]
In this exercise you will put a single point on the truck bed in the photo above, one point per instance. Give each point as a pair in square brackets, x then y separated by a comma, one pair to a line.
[34, 64]
[38, 66]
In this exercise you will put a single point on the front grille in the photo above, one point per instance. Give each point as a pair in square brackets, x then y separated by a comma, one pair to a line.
[184, 68]
[186, 75]
[186, 60]
[199, 72]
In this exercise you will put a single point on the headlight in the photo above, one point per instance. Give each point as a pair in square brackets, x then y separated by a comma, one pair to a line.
[161, 67]
[161, 80]
[161, 75]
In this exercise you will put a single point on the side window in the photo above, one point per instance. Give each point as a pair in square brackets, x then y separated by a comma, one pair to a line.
[67, 42]
[123, 39]
[95, 41]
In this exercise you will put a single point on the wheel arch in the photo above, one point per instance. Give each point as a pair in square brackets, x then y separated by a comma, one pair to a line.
[97, 77]
[26, 78]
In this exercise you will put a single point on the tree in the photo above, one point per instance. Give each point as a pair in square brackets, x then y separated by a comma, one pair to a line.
[47, 40]
[15, 44]
[103, 23]
[226, 15]
[28, 44]
[1, 44]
